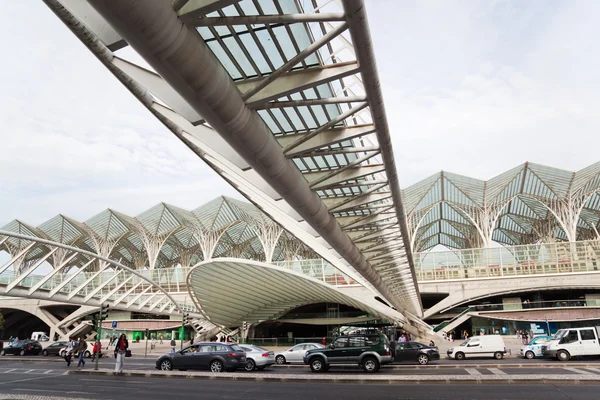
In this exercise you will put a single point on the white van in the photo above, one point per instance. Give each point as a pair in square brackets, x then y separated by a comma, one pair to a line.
[573, 342]
[40, 336]
[479, 346]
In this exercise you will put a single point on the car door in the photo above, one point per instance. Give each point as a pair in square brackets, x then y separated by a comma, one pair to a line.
[201, 359]
[572, 343]
[338, 353]
[401, 351]
[296, 353]
[183, 359]
[412, 351]
[474, 348]
[356, 346]
[589, 342]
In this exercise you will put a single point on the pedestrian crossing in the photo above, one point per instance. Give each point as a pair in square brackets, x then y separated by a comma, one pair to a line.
[541, 371]
[29, 371]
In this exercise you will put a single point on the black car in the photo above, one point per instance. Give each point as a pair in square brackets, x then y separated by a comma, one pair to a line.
[216, 357]
[54, 349]
[22, 347]
[414, 351]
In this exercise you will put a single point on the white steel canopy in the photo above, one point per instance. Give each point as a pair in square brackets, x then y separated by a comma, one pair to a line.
[229, 291]
[283, 101]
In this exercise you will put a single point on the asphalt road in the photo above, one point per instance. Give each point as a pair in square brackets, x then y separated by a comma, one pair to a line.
[110, 387]
[20, 367]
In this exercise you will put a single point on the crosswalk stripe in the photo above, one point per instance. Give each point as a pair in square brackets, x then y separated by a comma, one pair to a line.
[28, 371]
[577, 371]
[496, 371]
[10, 370]
[596, 370]
[47, 372]
[473, 371]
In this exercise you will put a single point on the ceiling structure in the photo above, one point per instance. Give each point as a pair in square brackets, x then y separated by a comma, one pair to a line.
[282, 99]
[528, 204]
[229, 291]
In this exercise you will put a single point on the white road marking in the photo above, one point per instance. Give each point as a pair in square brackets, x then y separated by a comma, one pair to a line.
[47, 372]
[25, 380]
[10, 370]
[577, 371]
[473, 371]
[496, 371]
[28, 371]
[596, 370]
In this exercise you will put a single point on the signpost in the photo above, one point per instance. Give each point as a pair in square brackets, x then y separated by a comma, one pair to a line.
[114, 324]
[102, 315]
[147, 334]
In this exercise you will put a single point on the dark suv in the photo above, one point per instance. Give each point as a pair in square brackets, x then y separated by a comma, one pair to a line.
[369, 351]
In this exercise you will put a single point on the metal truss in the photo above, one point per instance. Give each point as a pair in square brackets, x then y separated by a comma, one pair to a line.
[284, 103]
[524, 205]
[115, 284]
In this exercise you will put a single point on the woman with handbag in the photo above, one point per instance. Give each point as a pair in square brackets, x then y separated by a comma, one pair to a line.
[120, 353]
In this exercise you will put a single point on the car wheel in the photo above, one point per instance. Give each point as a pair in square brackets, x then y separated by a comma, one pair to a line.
[423, 359]
[2, 353]
[370, 364]
[216, 366]
[280, 360]
[166, 365]
[22, 353]
[498, 355]
[459, 356]
[563, 355]
[317, 364]
[529, 355]
[250, 365]
[87, 354]
[45, 353]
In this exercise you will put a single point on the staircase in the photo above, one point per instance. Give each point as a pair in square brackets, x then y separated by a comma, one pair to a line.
[450, 324]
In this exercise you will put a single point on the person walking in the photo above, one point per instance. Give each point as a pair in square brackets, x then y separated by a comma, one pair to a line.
[393, 347]
[120, 352]
[81, 348]
[173, 346]
[161, 339]
[69, 351]
[96, 350]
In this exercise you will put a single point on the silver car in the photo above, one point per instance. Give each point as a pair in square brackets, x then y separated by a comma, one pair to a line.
[257, 357]
[295, 353]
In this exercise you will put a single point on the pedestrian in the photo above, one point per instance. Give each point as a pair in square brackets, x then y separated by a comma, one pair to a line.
[161, 339]
[173, 346]
[323, 341]
[81, 348]
[192, 341]
[96, 350]
[120, 352]
[431, 343]
[393, 347]
[69, 351]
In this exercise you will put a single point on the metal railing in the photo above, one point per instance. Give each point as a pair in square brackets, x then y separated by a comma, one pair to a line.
[534, 259]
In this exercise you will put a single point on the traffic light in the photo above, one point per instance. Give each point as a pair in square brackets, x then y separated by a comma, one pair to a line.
[104, 311]
[244, 326]
[94, 318]
[186, 319]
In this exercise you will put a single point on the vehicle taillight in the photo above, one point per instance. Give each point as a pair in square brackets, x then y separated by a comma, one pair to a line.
[265, 354]
[28, 347]
[387, 352]
[233, 354]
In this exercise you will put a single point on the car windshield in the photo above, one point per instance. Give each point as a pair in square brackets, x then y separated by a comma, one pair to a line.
[558, 335]
[466, 342]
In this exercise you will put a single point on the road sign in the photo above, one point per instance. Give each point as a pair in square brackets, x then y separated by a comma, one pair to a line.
[114, 324]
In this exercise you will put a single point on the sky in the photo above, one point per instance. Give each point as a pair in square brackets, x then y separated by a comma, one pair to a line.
[471, 87]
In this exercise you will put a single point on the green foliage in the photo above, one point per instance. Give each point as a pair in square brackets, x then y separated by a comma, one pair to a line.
[1, 322]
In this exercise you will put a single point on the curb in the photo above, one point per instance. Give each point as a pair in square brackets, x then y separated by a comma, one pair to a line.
[356, 379]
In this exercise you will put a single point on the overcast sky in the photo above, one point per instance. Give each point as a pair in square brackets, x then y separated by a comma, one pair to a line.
[471, 87]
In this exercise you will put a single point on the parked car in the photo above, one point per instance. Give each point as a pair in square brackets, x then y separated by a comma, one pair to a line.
[22, 347]
[295, 353]
[87, 354]
[40, 336]
[414, 351]
[534, 348]
[573, 342]
[216, 357]
[479, 346]
[54, 349]
[257, 357]
[369, 351]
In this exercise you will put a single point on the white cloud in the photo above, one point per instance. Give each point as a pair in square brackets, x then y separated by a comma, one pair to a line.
[472, 87]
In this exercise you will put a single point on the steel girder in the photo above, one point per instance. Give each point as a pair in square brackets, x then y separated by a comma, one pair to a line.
[305, 109]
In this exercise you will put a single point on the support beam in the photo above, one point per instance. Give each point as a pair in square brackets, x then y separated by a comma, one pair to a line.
[310, 102]
[264, 19]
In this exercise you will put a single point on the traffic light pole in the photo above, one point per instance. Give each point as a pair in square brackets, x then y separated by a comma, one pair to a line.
[101, 316]
[184, 321]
